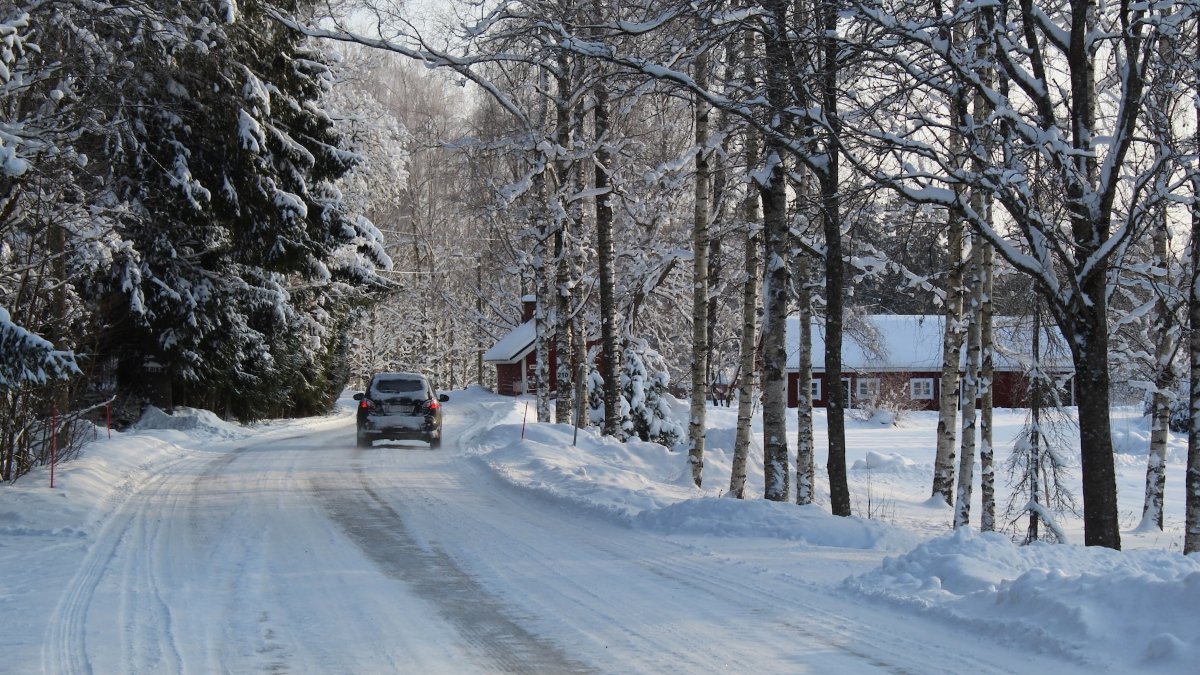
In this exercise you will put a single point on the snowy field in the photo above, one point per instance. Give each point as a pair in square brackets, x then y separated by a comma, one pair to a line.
[192, 545]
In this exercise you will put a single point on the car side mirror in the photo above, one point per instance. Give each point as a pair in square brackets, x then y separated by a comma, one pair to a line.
[443, 398]
[358, 396]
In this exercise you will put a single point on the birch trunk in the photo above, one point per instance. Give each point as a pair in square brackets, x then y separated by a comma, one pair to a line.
[564, 324]
[541, 312]
[948, 392]
[542, 285]
[747, 371]
[774, 353]
[982, 202]
[1160, 402]
[1191, 535]
[805, 464]
[775, 271]
[987, 469]
[1035, 434]
[563, 328]
[746, 367]
[966, 466]
[700, 346]
[606, 261]
[831, 217]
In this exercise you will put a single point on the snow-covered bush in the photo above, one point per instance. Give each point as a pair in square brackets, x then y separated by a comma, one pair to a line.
[644, 381]
[595, 398]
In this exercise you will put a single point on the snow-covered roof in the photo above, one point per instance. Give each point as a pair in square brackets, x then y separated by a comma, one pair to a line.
[514, 346]
[913, 342]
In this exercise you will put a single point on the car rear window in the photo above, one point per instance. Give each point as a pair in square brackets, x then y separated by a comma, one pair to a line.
[397, 385]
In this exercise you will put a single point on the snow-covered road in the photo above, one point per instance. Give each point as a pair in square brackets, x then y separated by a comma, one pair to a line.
[302, 553]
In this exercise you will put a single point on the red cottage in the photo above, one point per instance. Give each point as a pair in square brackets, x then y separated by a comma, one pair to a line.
[898, 358]
[515, 357]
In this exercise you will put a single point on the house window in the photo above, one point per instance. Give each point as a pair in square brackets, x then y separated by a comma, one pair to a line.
[868, 389]
[921, 388]
[815, 389]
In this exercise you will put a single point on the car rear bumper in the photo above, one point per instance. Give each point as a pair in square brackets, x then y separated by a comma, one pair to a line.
[398, 427]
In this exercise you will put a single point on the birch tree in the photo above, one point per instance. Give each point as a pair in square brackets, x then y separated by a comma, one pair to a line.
[806, 475]
[747, 342]
[966, 467]
[1164, 338]
[952, 340]
[776, 277]
[1165, 117]
[987, 469]
[1191, 537]
[700, 297]
[1054, 60]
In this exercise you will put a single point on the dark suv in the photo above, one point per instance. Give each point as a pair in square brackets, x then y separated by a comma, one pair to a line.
[399, 406]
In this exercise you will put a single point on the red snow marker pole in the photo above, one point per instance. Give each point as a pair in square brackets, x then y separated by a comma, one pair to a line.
[53, 440]
[523, 419]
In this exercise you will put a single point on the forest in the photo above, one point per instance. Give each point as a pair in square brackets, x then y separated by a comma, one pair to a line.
[247, 206]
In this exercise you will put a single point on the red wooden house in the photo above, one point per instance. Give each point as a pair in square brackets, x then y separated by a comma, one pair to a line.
[899, 358]
[515, 356]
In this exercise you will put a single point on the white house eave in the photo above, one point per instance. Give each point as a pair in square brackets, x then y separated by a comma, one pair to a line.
[519, 357]
[514, 346]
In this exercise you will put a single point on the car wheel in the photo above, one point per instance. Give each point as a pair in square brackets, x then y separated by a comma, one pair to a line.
[363, 440]
[435, 442]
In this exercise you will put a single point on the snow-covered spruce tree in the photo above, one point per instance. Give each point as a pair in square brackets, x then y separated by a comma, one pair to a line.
[595, 398]
[644, 380]
[26, 358]
[55, 228]
[238, 237]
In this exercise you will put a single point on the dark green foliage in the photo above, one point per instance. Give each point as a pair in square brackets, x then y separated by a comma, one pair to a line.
[170, 218]
[228, 163]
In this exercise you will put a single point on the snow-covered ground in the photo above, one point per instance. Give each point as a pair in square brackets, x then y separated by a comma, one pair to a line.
[192, 545]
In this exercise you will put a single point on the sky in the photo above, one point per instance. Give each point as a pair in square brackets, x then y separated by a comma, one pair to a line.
[188, 544]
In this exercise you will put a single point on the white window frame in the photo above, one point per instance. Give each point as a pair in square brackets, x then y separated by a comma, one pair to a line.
[864, 390]
[814, 389]
[926, 383]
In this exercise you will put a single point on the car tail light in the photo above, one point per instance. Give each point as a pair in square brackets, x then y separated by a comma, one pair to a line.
[364, 404]
[432, 405]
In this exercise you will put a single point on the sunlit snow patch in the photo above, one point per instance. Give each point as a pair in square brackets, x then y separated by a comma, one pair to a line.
[1052, 598]
[196, 422]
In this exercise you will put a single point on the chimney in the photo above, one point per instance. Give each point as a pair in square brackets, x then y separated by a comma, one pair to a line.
[528, 304]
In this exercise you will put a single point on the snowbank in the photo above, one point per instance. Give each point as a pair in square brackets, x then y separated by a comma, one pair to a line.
[1058, 599]
[599, 474]
[811, 525]
[883, 463]
[1134, 610]
[645, 485]
[198, 423]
